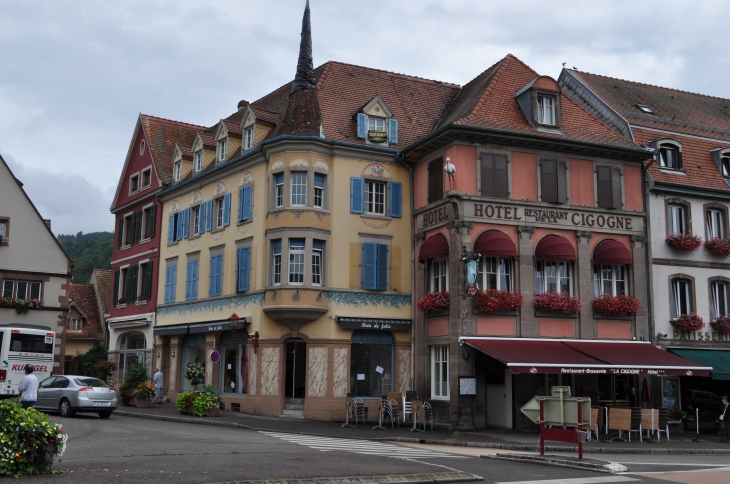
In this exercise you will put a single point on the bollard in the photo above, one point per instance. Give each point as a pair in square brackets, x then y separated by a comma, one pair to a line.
[697, 426]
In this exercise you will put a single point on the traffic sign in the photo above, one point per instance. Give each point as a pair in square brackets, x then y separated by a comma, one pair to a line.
[215, 356]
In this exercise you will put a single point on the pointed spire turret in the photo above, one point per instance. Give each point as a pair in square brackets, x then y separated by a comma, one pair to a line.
[304, 78]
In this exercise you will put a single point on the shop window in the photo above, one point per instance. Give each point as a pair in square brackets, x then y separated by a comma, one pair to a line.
[234, 369]
[435, 180]
[276, 262]
[681, 297]
[554, 276]
[719, 299]
[371, 363]
[296, 261]
[495, 273]
[614, 388]
[132, 351]
[608, 186]
[677, 219]
[493, 173]
[440, 372]
[439, 276]
[611, 279]
[191, 281]
[715, 223]
[554, 181]
[374, 266]
[193, 353]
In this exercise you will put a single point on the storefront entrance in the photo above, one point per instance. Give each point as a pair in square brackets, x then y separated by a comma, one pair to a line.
[296, 368]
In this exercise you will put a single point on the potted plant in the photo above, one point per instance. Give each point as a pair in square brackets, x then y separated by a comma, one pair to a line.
[493, 300]
[201, 403]
[721, 324]
[136, 373]
[184, 402]
[719, 246]
[434, 302]
[621, 304]
[684, 242]
[689, 322]
[195, 374]
[557, 301]
[142, 394]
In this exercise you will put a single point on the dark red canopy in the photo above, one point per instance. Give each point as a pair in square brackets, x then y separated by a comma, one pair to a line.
[494, 242]
[611, 252]
[554, 247]
[435, 247]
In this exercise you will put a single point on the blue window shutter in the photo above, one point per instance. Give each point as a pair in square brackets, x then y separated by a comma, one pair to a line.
[247, 202]
[185, 222]
[213, 266]
[240, 203]
[171, 229]
[219, 276]
[202, 217]
[167, 284]
[396, 199]
[188, 281]
[172, 283]
[393, 131]
[369, 266]
[227, 210]
[362, 125]
[382, 277]
[244, 262]
[319, 180]
[178, 226]
[195, 279]
[357, 185]
[209, 215]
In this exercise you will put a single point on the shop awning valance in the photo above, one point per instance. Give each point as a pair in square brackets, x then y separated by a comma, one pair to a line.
[585, 357]
[555, 247]
[219, 325]
[719, 360]
[435, 247]
[611, 252]
[495, 243]
[384, 324]
[170, 330]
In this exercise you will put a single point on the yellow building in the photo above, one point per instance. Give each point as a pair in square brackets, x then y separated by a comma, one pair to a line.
[287, 246]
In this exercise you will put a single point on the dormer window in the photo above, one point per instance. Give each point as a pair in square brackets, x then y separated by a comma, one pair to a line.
[725, 162]
[222, 149]
[669, 157]
[644, 109]
[546, 109]
[376, 124]
[198, 161]
[177, 171]
[248, 138]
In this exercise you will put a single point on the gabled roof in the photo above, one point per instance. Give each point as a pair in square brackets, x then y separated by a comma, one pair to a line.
[83, 298]
[264, 115]
[162, 135]
[103, 279]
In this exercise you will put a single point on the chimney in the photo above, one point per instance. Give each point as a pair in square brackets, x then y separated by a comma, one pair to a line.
[242, 104]
[47, 221]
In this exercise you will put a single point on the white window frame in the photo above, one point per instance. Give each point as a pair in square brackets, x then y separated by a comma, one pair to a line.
[276, 267]
[374, 200]
[318, 201]
[3, 228]
[248, 137]
[6, 283]
[600, 271]
[373, 123]
[222, 150]
[219, 206]
[125, 229]
[17, 288]
[681, 292]
[546, 109]
[439, 275]
[725, 165]
[317, 259]
[196, 220]
[663, 163]
[198, 161]
[279, 193]
[542, 266]
[715, 219]
[76, 325]
[719, 295]
[676, 216]
[503, 267]
[146, 211]
[139, 297]
[298, 190]
[40, 288]
[148, 173]
[440, 383]
[296, 260]
[177, 171]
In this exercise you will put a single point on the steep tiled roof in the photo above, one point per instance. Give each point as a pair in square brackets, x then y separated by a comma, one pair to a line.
[264, 115]
[83, 297]
[674, 110]
[162, 134]
[232, 126]
[103, 285]
[468, 96]
[494, 106]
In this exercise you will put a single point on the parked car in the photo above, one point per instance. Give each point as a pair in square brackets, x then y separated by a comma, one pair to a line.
[69, 394]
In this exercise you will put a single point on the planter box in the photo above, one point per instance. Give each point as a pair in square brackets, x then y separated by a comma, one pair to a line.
[555, 314]
[141, 402]
[619, 316]
[212, 412]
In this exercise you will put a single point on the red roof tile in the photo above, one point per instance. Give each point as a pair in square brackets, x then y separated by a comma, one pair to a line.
[83, 297]
[162, 135]
[103, 284]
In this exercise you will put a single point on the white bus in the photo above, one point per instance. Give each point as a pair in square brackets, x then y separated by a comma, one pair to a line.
[22, 344]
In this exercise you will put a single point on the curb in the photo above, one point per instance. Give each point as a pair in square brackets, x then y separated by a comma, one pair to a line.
[518, 447]
[387, 479]
[607, 467]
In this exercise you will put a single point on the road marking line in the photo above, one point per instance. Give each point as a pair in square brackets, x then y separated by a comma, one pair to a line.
[580, 480]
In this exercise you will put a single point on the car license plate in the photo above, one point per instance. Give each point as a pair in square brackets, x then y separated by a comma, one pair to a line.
[101, 404]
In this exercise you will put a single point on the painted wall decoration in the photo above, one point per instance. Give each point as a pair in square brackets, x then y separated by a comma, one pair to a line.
[321, 164]
[197, 197]
[298, 162]
[375, 225]
[376, 169]
[174, 206]
[359, 299]
[278, 163]
[220, 188]
[247, 178]
[193, 307]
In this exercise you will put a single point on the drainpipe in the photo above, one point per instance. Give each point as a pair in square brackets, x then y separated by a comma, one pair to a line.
[647, 233]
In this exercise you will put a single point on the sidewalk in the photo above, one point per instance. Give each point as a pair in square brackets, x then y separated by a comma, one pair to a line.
[491, 438]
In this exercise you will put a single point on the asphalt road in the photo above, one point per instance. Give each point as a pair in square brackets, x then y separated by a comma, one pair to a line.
[132, 450]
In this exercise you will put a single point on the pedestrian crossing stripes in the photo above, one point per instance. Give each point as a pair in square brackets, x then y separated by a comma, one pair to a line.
[369, 447]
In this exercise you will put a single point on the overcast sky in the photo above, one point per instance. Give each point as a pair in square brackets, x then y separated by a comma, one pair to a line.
[74, 75]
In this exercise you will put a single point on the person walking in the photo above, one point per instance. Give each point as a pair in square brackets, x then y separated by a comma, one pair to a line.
[28, 388]
[158, 379]
[724, 418]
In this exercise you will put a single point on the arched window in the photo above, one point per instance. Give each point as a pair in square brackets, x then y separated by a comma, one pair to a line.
[132, 351]
[682, 293]
[610, 269]
[496, 265]
[371, 363]
[554, 265]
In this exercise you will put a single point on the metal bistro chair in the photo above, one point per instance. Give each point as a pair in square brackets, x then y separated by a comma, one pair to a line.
[663, 423]
[395, 412]
[427, 415]
[635, 422]
[355, 409]
[384, 413]
[407, 399]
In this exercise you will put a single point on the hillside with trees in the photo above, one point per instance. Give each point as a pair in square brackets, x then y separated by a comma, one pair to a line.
[88, 251]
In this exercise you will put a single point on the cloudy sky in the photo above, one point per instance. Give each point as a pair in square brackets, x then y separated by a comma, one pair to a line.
[75, 74]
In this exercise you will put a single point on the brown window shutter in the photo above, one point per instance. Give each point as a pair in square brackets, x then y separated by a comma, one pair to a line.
[430, 183]
[603, 186]
[562, 182]
[616, 187]
[501, 182]
[548, 181]
[487, 175]
[436, 180]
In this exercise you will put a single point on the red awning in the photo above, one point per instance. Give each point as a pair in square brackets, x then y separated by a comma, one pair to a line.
[555, 247]
[585, 357]
[435, 247]
[611, 252]
[494, 242]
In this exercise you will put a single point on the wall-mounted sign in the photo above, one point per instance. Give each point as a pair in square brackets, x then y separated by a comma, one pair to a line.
[375, 136]
[435, 216]
[372, 323]
[701, 336]
[467, 385]
[215, 357]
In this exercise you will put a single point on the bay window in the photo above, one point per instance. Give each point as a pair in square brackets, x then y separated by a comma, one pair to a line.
[317, 247]
[299, 188]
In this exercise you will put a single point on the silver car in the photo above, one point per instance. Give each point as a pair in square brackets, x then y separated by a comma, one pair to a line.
[69, 394]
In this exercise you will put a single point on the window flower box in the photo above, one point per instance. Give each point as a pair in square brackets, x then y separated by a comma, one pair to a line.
[684, 242]
[719, 246]
[434, 302]
[557, 301]
[21, 305]
[121, 300]
[689, 322]
[610, 304]
[493, 300]
[721, 324]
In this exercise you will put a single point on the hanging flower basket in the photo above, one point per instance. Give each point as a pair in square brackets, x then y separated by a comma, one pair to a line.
[434, 302]
[493, 300]
[721, 324]
[689, 322]
[610, 304]
[684, 242]
[719, 246]
[557, 301]
[21, 305]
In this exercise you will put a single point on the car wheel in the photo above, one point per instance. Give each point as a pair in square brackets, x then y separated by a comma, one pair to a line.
[105, 414]
[65, 409]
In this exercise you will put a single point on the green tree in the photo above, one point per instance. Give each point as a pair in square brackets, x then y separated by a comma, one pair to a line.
[95, 362]
[88, 251]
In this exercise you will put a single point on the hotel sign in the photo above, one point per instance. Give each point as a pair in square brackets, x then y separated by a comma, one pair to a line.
[377, 136]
